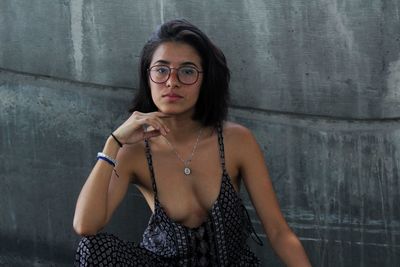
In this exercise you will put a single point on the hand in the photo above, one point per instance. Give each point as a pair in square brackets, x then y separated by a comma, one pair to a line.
[134, 128]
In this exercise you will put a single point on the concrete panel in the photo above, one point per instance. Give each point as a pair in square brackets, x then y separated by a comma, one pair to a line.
[50, 133]
[35, 37]
[113, 36]
[338, 184]
[331, 58]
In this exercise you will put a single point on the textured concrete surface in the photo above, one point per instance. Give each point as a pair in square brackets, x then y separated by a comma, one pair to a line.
[337, 182]
[50, 134]
[329, 57]
[318, 82]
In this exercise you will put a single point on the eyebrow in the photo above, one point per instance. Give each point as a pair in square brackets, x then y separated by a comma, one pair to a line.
[182, 64]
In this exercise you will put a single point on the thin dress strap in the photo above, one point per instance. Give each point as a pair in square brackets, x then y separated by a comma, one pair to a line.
[221, 148]
[253, 232]
[151, 169]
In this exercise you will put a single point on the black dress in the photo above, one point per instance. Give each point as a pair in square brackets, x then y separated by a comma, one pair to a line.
[219, 241]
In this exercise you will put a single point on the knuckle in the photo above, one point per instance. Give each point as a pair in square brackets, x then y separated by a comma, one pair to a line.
[135, 114]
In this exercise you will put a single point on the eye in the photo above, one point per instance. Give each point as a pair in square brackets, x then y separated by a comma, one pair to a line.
[161, 69]
[188, 71]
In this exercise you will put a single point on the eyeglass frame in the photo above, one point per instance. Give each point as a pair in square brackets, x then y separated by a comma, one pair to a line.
[170, 71]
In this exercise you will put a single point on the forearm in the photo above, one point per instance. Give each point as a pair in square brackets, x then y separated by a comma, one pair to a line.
[289, 249]
[91, 207]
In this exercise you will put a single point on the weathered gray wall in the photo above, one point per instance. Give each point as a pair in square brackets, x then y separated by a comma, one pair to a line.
[317, 81]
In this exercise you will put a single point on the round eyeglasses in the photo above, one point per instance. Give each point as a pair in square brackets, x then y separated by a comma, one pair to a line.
[186, 75]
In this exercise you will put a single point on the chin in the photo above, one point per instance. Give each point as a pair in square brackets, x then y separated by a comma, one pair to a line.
[168, 110]
[174, 111]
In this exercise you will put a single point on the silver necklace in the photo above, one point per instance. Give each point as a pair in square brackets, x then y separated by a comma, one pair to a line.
[186, 170]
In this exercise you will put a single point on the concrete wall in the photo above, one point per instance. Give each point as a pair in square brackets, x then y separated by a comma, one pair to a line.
[317, 81]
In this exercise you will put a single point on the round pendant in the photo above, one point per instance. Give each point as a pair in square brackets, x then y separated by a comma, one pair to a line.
[187, 171]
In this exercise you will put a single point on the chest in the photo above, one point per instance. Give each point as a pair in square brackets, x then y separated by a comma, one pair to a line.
[187, 199]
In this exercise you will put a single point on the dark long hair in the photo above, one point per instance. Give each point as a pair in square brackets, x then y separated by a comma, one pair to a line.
[212, 105]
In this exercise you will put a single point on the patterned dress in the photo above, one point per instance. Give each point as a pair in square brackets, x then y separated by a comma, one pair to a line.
[219, 241]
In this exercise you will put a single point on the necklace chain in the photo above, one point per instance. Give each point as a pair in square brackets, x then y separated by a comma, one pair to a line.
[186, 163]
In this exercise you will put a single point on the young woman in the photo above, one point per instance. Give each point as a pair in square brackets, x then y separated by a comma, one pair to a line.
[188, 162]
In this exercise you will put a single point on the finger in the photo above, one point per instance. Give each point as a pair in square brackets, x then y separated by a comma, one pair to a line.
[162, 123]
[161, 114]
[156, 123]
[147, 121]
[151, 134]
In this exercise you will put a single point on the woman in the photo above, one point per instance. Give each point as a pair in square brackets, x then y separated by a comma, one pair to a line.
[183, 156]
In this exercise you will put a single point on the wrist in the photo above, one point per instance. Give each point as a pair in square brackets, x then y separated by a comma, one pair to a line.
[117, 139]
[111, 147]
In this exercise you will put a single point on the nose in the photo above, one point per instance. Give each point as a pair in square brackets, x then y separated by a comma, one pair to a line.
[173, 80]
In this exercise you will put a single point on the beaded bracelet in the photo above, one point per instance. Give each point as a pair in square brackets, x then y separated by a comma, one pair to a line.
[108, 159]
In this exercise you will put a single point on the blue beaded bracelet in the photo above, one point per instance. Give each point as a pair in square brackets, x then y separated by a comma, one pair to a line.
[103, 156]
[106, 159]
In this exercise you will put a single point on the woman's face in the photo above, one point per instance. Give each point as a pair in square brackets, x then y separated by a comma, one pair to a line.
[175, 96]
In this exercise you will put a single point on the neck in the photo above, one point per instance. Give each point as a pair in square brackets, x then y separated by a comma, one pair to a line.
[182, 128]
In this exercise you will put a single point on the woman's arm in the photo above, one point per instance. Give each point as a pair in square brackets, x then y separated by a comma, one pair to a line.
[257, 181]
[103, 190]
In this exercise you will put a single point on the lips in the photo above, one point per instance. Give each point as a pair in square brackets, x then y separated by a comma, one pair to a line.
[172, 96]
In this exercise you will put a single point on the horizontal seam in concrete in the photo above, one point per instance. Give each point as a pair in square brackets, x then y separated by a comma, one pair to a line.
[326, 240]
[303, 116]
[54, 78]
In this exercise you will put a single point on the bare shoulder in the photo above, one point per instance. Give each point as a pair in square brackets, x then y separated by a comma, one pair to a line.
[237, 133]
[239, 141]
